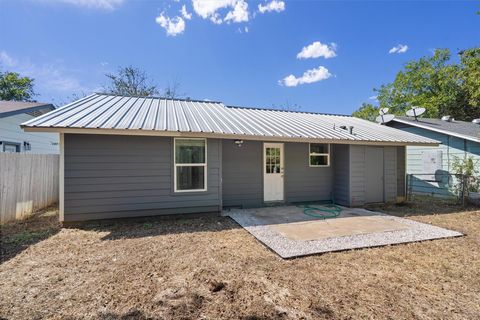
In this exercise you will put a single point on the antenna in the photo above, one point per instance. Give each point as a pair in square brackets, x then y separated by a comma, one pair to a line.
[384, 118]
[383, 111]
[415, 112]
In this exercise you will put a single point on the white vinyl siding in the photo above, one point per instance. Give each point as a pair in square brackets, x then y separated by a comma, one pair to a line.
[40, 142]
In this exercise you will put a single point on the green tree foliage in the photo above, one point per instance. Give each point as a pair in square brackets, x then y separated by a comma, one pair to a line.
[14, 87]
[130, 81]
[367, 111]
[470, 60]
[436, 83]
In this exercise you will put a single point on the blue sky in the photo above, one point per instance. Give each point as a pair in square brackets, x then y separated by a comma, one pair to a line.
[231, 50]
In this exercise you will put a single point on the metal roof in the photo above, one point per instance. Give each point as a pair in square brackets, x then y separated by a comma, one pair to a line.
[460, 129]
[152, 114]
[10, 108]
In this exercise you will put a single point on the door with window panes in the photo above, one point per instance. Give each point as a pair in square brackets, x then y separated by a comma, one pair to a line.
[273, 172]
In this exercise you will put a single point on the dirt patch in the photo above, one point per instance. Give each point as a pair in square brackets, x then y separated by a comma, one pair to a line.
[211, 268]
[19, 235]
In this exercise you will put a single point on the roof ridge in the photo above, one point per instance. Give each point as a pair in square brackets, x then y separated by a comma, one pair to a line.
[292, 111]
[155, 97]
[436, 119]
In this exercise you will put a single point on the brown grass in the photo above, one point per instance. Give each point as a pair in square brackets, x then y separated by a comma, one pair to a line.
[211, 268]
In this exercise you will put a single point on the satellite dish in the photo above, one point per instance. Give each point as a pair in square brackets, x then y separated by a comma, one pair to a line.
[415, 112]
[383, 111]
[384, 118]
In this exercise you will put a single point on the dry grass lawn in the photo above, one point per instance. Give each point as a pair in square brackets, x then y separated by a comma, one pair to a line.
[211, 268]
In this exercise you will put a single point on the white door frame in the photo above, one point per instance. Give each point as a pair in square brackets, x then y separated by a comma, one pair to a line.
[273, 183]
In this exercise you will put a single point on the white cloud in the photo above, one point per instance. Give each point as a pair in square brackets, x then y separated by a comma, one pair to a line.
[93, 4]
[273, 5]
[172, 26]
[309, 76]
[401, 48]
[209, 9]
[52, 76]
[374, 98]
[318, 49]
[6, 60]
[185, 14]
[239, 13]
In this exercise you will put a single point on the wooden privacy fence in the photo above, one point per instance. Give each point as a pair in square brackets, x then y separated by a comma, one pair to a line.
[28, 182]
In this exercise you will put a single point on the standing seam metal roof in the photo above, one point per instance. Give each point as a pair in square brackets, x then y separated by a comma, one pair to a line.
[104, 111]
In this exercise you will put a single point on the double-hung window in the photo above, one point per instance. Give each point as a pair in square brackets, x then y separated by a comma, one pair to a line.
[190, 165]
[319, 155]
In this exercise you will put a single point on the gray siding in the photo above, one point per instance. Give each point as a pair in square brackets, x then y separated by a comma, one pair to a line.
[109, 176]
[390, 175]
[242, 183]
[341, 168]
[401, 174]
[357, 175]
[302, 182]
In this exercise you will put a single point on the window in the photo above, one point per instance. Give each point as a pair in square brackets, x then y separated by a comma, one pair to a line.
[319, 155]
[272, 160]
[10, 147]
[190, 165]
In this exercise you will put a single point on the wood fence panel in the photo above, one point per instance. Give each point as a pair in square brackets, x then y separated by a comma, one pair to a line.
[28, 182]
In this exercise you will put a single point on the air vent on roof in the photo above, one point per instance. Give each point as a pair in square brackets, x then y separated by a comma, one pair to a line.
[477, 121]
[447, 118]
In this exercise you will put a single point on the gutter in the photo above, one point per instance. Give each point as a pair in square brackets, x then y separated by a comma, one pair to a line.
[139, 132]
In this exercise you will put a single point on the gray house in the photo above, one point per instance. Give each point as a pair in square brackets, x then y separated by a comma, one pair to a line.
[430, 167]
[133, 156]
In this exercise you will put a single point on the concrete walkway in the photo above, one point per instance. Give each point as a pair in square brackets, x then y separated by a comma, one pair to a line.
[290, 233]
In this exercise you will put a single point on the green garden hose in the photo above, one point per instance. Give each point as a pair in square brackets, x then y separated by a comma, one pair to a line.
[322, 211]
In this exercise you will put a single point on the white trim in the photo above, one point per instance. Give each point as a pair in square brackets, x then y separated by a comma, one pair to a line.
[450, 133]
[282, 167]
[138, 132]
[310, 154]
[175, 165]
[61, 181]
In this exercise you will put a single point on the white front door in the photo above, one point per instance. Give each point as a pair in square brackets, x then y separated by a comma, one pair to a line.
[273, 172]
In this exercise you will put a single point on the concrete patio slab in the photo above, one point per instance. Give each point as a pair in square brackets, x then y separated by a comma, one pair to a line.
[291, 233]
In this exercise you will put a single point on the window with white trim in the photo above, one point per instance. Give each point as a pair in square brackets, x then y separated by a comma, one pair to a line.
[319, 155]
[190, 158]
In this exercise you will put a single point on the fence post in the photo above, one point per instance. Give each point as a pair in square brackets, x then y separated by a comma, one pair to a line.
[409, 188]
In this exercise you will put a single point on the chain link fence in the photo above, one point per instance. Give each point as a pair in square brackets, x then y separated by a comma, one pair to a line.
[444, 185]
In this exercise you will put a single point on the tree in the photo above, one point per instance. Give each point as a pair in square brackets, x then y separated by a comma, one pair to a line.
[172, 91]
[367, 111]
[470, 60]
[436, 83]
[287, 106]
[14, 87]
[130, 81]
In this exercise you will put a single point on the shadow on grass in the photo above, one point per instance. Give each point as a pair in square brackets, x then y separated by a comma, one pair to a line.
[17, 236]
[421, 206]
[130, 228]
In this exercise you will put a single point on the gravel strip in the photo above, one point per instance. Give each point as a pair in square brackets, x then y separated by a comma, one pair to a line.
[288, 248]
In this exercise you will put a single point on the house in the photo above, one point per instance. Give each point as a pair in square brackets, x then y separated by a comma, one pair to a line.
[14, 139]
[430, 167]
[134, 156]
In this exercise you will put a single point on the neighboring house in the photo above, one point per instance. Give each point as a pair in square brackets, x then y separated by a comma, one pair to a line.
[14, 139]
[431, 167]
[129, 156]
